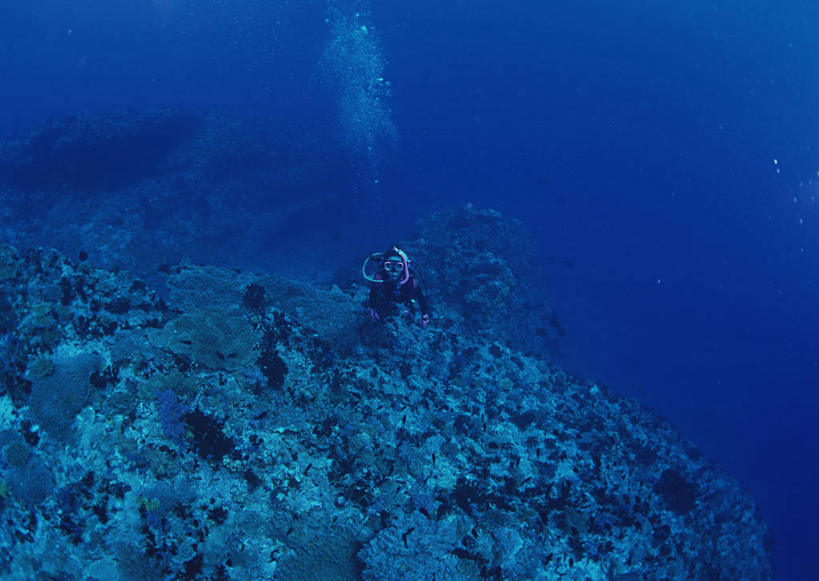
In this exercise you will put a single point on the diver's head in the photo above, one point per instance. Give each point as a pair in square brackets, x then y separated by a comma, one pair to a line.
[395, 265]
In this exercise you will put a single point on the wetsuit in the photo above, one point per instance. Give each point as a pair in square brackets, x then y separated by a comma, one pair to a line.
[384, 295]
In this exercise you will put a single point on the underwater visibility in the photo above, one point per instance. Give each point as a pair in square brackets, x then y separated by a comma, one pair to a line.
[341, 290]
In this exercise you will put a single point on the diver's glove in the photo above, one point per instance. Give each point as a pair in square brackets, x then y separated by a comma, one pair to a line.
[424, 320]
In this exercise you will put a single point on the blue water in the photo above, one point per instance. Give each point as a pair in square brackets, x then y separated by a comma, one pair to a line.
[663, 152]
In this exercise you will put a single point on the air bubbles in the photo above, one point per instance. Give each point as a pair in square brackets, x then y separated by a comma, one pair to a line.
[353, 65]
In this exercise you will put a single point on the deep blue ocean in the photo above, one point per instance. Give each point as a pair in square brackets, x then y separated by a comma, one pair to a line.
[665, 154]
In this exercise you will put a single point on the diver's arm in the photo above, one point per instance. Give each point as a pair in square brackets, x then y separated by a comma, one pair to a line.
[372, 301]
[372, 304]
[420, 298]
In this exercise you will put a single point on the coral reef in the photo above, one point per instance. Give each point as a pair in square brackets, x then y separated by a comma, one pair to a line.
[95, 153]
[484, 266]
[228, 435]
[146, 188]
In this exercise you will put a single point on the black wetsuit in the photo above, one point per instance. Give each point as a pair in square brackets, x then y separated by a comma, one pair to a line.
[385, 295]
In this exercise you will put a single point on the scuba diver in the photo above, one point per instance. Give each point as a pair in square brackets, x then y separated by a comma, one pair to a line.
[392, 284]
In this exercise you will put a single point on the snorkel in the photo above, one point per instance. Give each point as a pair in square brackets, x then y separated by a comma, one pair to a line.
[380, 257]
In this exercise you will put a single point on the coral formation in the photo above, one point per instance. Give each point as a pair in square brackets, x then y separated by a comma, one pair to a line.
[257, 448]
[483, 265]
[139, 188]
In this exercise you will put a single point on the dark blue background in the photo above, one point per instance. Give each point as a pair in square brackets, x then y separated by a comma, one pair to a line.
[638, 140]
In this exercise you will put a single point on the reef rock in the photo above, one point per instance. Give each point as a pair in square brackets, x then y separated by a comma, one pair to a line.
[485, 267]
[226, 435]
[146, 187]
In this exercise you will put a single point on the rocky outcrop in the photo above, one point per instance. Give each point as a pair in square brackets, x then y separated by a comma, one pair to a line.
[231, 434]
[486, 268]
[142, 188]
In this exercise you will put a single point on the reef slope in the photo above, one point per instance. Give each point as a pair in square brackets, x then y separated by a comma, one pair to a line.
[253, 428]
